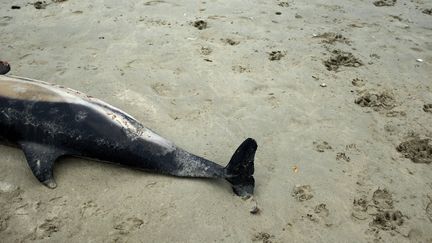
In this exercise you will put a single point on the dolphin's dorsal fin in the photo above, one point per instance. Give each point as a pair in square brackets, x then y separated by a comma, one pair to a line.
[41, 160]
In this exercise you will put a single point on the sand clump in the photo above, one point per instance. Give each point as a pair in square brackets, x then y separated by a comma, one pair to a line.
[200, 24]
[427, 108]
[302, 193]
[332, 38]
[377, 101]
[341, 58]
[276, 55]
[417, 150]
[263, 237]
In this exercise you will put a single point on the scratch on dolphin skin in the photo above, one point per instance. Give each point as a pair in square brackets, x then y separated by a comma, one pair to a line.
[6, 115]
[38, 164]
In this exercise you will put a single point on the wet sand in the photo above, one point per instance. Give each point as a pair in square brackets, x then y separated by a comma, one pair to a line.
[337, 94]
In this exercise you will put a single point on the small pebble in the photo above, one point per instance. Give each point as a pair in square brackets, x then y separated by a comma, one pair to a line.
[323, 85]
[419, 60]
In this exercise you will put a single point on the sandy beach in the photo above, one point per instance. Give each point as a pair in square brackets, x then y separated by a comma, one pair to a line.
[338, 95]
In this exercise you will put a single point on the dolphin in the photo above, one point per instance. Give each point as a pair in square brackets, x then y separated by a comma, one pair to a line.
[49, 121]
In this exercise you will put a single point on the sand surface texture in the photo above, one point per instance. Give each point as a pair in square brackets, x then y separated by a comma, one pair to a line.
[337, 93]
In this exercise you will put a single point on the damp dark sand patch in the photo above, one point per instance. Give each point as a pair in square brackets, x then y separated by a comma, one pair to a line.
[385, 3]
[341, 58]
[417, 150]
[427, 108]
[200, 24]
[331, 38]
[377, 101]
[276, 55]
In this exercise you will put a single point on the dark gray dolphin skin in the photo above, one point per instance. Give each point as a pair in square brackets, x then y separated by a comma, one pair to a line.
[49, 121]
[4, 67]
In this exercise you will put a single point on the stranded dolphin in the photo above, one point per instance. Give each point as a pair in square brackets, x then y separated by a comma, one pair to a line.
[49, 121]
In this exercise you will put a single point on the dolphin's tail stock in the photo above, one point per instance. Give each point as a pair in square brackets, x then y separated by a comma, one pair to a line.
[240, 169]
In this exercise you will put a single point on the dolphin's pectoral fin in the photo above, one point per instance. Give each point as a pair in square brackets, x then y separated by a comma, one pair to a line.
[41, 160]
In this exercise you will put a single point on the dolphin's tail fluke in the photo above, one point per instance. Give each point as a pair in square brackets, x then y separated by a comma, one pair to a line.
[240, 169]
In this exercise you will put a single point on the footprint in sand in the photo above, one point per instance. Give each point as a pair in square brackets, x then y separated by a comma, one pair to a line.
[302, 193]
[378, 101]
[417, 150]
[427, 108]
[161, 89]
[276, 55]
[206, 51]
[89, 209]
[46, 229]
[388, 220]
[321, 146]
[341, 58]
[128, 225]
[263, 237]
[343, 156]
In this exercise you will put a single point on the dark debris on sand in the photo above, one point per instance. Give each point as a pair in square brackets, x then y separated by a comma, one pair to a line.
[427, 108]
[427, 11]
[276, 55]
[40, 5]
[200, 24]
[4, 67]
[384, 3]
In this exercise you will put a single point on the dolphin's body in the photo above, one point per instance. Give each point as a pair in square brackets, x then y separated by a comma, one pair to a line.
[49, 121]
